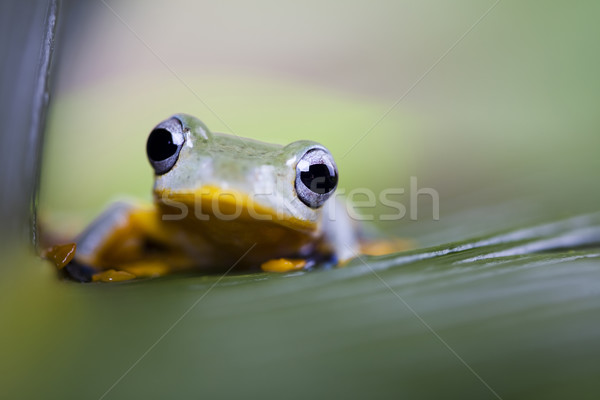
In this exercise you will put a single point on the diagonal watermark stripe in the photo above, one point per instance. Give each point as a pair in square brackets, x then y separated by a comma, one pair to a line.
[429, 328]
[168, 67]
[174, 325]
[423, 76]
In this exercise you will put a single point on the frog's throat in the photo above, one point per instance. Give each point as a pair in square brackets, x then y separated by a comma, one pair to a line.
[208, 202]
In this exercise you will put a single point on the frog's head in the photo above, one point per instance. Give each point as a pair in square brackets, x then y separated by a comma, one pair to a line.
[207, 175]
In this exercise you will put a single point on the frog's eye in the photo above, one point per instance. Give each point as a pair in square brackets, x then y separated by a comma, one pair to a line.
[316, 177]
[164, 145]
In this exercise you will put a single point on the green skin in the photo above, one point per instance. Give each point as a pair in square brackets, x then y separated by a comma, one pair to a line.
[265, 172]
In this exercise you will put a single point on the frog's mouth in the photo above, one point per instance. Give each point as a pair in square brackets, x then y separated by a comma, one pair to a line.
[212, 203]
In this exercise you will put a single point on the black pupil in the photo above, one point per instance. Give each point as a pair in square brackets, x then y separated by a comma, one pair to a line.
[160, 145]
[319, 178]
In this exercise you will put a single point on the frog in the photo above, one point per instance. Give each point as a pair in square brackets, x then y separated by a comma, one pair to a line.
[220, 202]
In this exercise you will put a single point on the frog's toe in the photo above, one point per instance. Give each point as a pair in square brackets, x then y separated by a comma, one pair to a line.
[283, 265]
[147, 269]
[379, 247]
[112, 275]
[60, 255]
[142, 269]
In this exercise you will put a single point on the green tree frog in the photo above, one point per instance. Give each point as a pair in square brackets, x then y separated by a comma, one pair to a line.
[220, 202]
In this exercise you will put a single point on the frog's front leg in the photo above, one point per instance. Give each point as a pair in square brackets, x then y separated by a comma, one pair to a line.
[122, 243]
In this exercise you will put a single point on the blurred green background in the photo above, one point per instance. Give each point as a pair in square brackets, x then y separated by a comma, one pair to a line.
[504, 126]
[515, 99]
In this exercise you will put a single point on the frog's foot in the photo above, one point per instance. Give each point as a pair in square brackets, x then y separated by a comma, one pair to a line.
[143, 269]
[379, 247]
[62, 258]
[283, 265]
